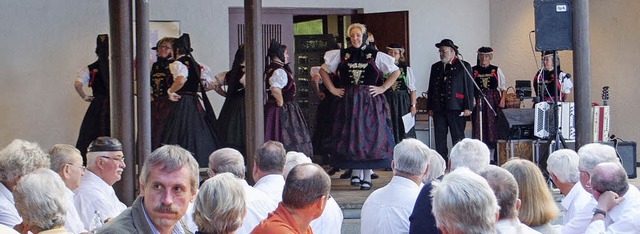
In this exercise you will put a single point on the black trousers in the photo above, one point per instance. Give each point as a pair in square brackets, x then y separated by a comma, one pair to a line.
[444, 121]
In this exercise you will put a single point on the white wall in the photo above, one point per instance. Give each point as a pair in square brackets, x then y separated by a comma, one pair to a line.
[614, 36]
[43, 48]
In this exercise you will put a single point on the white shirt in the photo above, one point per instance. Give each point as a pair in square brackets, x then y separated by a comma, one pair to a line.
[411, 80]
[578, 210]
[259, 205]
[83, 76]
[502, 80]
[330, 221]
[8, 213]
[623, 218]
[384, 62]
[72, 222]
[514, 225]
[387, 209]
[272, 185]
[7, 230]
[178, 68]
[95, 194]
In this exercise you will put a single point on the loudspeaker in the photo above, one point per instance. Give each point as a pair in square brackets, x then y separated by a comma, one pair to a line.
[554, 30]
[627, 152]
[515, 124]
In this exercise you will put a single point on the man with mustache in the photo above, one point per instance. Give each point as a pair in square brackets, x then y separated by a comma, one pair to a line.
[168, 182]
[105, 163]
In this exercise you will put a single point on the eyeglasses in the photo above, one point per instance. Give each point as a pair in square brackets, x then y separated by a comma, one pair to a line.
[83, 168]
[118, 159]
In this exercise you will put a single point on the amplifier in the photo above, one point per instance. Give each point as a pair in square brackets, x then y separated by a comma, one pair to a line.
[515, 124]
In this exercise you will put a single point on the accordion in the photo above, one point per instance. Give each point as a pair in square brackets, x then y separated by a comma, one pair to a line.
[544, 121]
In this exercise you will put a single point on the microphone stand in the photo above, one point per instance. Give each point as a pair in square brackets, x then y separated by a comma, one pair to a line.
[484, 97]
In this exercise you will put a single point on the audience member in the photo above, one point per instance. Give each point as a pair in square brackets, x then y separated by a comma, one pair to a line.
[562, 166]
[258, 204]
[168, 182]
[17, 159]
[105, 163]
[220, 204]
[538, 208]
[305, 194]
[591, 155]
[470, 153]
[505, 188]
[267, 169]
[67, 162]
[437, 166]
[463, 202]
[387, 209]
[41, 201]
[331, 219]
[618, 206]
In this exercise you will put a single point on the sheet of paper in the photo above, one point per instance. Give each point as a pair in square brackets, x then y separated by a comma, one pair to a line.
[409, 122]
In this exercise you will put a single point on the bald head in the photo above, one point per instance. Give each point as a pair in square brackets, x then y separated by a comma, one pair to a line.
[609, 177]
[304, 185]
[227, 160]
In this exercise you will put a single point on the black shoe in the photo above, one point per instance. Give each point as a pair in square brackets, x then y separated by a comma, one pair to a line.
[365, 185]
[333, 171]
[374, 176]
[355, 181]
[387, 169]
[346, 174]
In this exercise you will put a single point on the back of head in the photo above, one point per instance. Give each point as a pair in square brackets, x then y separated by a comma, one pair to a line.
[595, 153]
[61, 154]
[270, 157]
[437, 166]
[220, 204]
[294, 159]
[538, 206]
[40, 200]
[19, 158]
[564, 165]
[609, 176]
[304, 185]
[505, 188]
[411, 156]
[470, 153]
[464, 192]
[171, 158]
[227, 160]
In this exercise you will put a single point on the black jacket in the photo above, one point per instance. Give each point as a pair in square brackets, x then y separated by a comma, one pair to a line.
[450, 87]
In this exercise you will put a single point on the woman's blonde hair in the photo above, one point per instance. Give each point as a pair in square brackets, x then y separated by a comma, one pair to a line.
[537, 204]
[362, 28]
[220, 205]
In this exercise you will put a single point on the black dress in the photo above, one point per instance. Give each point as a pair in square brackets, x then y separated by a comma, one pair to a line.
[96, 120]
[231, 122]
[399, 101]
[161, 80]
[188, 124]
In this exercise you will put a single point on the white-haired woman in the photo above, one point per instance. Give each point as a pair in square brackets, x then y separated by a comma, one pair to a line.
[220, 205]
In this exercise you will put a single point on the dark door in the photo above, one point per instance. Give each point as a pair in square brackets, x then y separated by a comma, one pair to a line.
[387, 27]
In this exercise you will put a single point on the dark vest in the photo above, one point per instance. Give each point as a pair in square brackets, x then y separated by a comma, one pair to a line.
[550, 83]
[234, 87]
[486, 77]
[98, 80]
[193, 81]
[288, 91]
[402, 82]
[358, 67]
[161, 78]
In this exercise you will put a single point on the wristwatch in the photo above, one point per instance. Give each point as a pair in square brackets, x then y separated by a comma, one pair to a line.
[599, 211]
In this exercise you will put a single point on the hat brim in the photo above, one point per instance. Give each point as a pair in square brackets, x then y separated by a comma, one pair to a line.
[400, 49]
[446, 44]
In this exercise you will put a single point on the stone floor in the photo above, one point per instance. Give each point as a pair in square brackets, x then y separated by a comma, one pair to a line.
[350, 198]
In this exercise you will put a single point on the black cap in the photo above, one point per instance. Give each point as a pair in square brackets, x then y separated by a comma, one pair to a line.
[548, 52]
[485, 50]
[102, 44]
[275, 50]
[105, 143]
[183, 42]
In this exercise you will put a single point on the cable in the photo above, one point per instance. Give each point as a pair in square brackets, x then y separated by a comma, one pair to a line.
[533, 51]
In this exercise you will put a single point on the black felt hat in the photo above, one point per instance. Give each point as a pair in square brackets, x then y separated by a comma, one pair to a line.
[395, 46]
[447, 42]
[275, 50]
[183, 42]
[485, 50]
[548, 52]
[105, 143]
